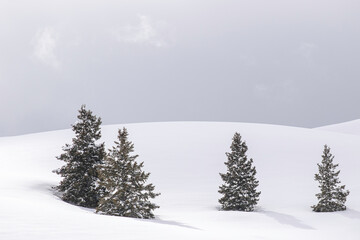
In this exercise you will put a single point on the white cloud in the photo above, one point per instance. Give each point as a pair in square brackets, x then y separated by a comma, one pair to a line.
[283, 89]
[145, 32]
[247, 60]
[306, 50]
[261, 89]
[45, 44]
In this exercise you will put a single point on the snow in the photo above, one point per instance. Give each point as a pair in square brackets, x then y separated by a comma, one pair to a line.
[185, 159]
[351, 127]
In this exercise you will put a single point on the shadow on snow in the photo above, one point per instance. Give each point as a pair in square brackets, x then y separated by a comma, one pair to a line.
[287, 219]
[173, 223]
[350, 213]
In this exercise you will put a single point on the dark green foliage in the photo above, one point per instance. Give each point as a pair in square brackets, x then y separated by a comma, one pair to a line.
[239, 190]
[82, 157]
[126, 193]
[332, 197]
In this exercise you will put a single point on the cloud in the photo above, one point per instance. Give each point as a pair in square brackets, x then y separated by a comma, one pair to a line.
[145, 32]
[281, 89]
[261, 89]
[247, 60]
[306, 50]
[45, 44]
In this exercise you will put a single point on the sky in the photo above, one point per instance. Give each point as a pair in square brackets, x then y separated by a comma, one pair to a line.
[292, 63]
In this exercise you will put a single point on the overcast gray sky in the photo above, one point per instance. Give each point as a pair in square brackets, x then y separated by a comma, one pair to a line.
[268, 61]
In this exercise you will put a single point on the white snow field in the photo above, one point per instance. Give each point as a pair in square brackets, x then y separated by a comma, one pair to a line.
[185, 159]
[351, 127]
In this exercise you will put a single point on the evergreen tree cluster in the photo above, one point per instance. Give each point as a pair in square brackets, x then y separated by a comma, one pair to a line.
[126, 191]
[114, 183]
[332, 197]
[79, 184]
[239, 188]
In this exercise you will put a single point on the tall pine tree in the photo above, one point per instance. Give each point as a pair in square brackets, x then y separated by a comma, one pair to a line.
[79, 183]
[332, 197]
[239, 188]
[126, 191]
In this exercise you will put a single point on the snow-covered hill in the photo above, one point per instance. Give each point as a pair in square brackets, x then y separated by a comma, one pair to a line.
[351, 127]
[185, 159]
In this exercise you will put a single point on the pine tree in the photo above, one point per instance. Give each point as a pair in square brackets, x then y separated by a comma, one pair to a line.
[239, 190]
[79, 183]
[126, 191]
[332, 196]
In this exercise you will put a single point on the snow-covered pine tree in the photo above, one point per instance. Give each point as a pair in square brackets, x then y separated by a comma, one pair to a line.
[332, 196]
[126, 191]
[79, 183]
[239, 190]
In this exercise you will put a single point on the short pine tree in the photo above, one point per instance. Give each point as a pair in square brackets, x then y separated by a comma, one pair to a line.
[79, 183]
[126, 191]
[332, 197]
[239, 190]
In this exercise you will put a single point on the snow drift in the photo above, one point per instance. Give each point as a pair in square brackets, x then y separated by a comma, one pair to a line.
[351, 127]
[185, 159]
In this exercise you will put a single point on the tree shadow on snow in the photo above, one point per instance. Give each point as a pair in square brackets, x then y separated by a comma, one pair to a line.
[47, 188]
[173, 223]
[287, 219]
[51, 191]
[350, 213]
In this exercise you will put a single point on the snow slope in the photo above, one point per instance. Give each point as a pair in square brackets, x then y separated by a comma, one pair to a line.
[185, 159]
[351, 127]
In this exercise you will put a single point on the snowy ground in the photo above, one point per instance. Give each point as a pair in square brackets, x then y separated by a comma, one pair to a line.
[351, 127]
[185, 159]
